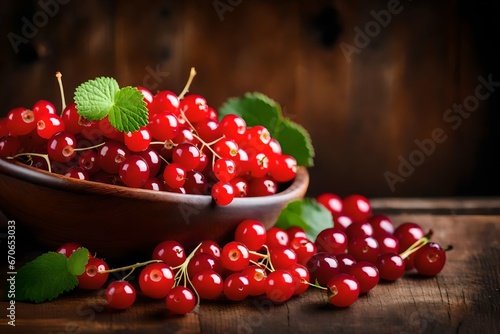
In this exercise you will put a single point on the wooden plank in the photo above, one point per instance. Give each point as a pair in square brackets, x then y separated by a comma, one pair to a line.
[463, 298]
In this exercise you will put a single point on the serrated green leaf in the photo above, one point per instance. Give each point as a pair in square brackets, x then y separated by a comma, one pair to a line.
[295, 141]
[44, 278]
[258, 109]
[77, 261]
[306, 213]
[94, 98]
[129, 111]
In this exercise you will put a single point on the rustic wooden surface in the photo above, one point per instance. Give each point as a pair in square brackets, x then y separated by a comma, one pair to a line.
[463, 298]
[362, 111]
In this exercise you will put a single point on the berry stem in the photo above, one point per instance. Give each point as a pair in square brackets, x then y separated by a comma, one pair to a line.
[45, 156]
[192, 74]
[316, 285]
[61, 89]
[417, 245]
[207, 145]
[132, 266]
[182, 273]
[88, 148]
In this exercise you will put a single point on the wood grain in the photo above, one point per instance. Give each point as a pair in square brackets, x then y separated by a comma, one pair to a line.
[463, 298]
[363, 113]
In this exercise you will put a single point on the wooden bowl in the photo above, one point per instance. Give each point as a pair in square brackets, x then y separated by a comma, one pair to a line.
[116, 221]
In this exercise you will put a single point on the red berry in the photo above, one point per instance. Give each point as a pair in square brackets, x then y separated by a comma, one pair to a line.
[257, 277]
[180, 300]
[430, 259]
[282, 257]
[390, 266]
[322, 266]
[282, 167]
[194, 107]
[235, 256]
[407, 234]
[332, 202]
[164, 126]
[187, 155]
[134, 171]
[48, 125]
[233, 126]
[208, 284]
[170, 252]
[366, 274]
[276, 237]
[138, 141]
[156, 280]
[236, 286]
[222, 193]
[174, 175]
[364, 249]
[120, 295]
[224, 169]
[280, 286]
[343, 290]
[252, 233]
[61, 147]
[332, 241]
[20, 121]
[304, 248]
[300, 276]
[357, 207]
[42, 108]
[91, 279]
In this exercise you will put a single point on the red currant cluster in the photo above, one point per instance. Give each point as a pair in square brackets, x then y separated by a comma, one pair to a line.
[183, 149]
[277, 263]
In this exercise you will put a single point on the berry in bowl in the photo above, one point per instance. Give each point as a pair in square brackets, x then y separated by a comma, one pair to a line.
[138, 169]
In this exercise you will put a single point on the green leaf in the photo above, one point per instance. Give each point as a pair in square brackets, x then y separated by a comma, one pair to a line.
[44, 278]
[129, 111]
[95, 98]
[306, 213]
[295, 141]
[77, 261]
[258, 109]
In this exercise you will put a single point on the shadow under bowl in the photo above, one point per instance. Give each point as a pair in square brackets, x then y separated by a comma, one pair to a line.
[116, 221]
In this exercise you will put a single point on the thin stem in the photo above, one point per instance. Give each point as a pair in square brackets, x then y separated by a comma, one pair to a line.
[45, 156]
[417, 245]
[314, 285]
[192, 74]
[132, 266]
[61, 89]
[211, 149]
[88, 148]
[126, 276]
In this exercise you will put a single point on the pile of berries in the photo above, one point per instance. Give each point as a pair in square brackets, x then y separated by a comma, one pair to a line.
[346, 260]
[184, 148]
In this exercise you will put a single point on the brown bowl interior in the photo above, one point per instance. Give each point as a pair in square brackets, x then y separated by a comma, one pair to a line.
[115, 221]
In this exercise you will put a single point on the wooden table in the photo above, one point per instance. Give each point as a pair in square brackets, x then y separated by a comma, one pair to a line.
[463, 298]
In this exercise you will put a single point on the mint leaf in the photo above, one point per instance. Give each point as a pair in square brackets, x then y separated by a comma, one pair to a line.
[95, 98]
[129, 111]
[44, 278]
[77, 261]
[258, 109]
[306, 213]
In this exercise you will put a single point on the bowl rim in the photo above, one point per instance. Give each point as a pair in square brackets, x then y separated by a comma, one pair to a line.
[47, 179]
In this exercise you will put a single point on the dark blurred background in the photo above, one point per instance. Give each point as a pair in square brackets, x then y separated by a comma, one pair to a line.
[368, 79]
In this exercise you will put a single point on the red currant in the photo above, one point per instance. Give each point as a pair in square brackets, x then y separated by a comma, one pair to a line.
[156, 280]
[92, 279]
[120, 295]
[180, 300]
[343, 290]
[252, 233]
[235, 256]
[208, 284]
[134, 171]
[170, 252]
